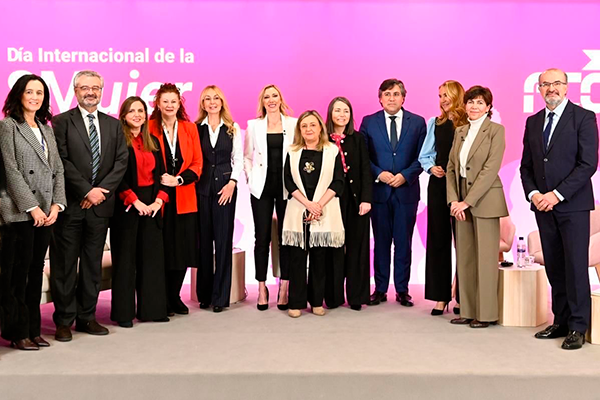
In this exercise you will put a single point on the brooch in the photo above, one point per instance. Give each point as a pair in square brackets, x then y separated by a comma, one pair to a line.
[309, 167]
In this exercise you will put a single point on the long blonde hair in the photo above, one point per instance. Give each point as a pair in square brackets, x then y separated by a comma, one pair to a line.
[457, 113]
[225, 114]
[283, 107]
[299, 140]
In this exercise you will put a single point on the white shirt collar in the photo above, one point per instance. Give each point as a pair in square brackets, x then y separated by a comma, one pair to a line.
[84, 113]
[558, 111]
[205, 122]
[398, 114]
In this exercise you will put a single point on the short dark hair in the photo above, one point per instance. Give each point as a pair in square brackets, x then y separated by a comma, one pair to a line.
[483, 92]
[390, 83]
[13, 107]
[349, 129]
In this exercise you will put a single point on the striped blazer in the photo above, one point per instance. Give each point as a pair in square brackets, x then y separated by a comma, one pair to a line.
[31, 178]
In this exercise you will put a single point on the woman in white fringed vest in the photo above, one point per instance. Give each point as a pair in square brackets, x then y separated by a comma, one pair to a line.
[314, 176]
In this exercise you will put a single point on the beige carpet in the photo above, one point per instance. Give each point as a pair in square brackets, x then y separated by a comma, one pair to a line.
[387, 351]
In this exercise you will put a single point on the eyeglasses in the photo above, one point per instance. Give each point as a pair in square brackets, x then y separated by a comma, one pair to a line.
[95, 89]
[548, 85]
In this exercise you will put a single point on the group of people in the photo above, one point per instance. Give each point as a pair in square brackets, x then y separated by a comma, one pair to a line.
[167, 187]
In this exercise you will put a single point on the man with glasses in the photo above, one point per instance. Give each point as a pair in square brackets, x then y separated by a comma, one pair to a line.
[94, 153]
[394, 138]
[560, 155]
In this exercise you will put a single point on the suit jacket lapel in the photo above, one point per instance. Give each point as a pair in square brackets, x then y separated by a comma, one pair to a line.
[383, 128]
[261, 132]
[404, 130]
[28, 134]
[562, 122]
[77, 120]
[104, 135]
[483, 132]
[538, 131]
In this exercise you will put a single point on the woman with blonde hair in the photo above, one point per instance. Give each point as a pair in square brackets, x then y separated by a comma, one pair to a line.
[314, 177]
[265, 149]
[221, 144]
[440, 225]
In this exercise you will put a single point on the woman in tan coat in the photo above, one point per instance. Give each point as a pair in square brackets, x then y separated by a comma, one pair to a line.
[476, 198]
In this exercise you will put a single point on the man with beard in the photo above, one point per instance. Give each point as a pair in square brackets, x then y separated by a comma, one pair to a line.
[94, 153]
[560, 155]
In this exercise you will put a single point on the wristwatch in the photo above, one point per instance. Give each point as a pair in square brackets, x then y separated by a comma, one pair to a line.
[179, 180]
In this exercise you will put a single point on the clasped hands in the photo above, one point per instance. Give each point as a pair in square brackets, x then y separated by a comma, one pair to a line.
[148, 210]
[545, 202]
[94, 198]
[41, 219]
[315, 211]
[391, 179]
[457, 209]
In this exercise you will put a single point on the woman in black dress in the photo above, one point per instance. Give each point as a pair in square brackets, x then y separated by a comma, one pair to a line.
[356, 205]
[433, 159]
[180, 146]
[136, 227]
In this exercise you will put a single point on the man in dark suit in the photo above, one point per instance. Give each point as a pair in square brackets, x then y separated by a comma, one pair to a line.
[394, 138]
[560, 155]
[93, 150]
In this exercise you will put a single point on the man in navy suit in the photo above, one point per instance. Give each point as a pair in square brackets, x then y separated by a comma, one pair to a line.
[394, 138]
[560, 155]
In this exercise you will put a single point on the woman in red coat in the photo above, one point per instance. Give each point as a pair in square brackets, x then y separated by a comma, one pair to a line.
[180, 145]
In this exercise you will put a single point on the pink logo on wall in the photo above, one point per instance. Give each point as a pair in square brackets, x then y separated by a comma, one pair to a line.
[315, 51]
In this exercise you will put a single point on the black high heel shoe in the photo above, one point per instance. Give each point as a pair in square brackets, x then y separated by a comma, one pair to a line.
[435, 311]
[456, 310]
[281, 307]
[263, 307]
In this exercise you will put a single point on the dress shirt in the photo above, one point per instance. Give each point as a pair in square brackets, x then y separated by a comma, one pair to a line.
[428, 152]
[38, 135]
[471, 136]
[86, 123]
[237, 152]
[558, 112]
[388, 123]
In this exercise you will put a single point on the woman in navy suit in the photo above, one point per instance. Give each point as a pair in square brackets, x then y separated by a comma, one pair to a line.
[35, 196]
[136, 228]
[356, 205]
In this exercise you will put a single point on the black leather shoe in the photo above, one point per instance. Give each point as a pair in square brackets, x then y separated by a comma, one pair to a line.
[217, 309]
[552, 332]
[63, 333]
[40, 341]
[356, 307]
[404, 299]
[377, 298]
[24, 344]
[481, 324]
[180, 308]
[165, 319]
[91, 327]
[573, 341]
[125, 324]
[204, 306]
[461, 321]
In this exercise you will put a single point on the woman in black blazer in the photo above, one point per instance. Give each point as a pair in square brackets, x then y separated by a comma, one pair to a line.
[136, 229]
[356, 205]
[35, 195]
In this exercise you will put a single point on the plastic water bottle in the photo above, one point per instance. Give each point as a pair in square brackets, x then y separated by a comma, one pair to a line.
[521, 249]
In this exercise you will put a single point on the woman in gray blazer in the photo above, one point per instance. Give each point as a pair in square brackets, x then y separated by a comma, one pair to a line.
[35, 194]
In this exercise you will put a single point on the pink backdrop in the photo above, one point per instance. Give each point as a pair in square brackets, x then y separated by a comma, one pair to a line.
[315, 50]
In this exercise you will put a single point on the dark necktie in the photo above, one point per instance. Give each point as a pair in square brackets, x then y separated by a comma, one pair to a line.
[95, 145]
[393, 133]
[548, 130]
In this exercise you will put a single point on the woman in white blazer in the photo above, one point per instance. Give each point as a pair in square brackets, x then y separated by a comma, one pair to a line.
[35, 189]
[265, 148]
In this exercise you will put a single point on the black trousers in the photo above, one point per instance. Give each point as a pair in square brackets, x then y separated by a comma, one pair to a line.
[215, 223]
[565, 241]
[438, 254]
[79, 236]
[22, 275]
[357, 266]
[262, 211]
[136, 245]
[312, 290]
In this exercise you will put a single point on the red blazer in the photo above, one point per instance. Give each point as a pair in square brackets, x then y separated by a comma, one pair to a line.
[189, 144]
